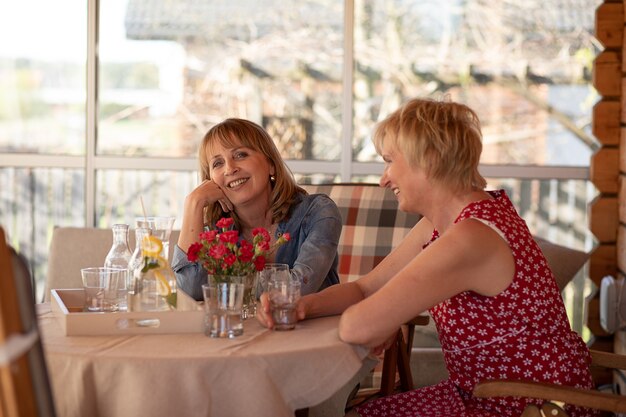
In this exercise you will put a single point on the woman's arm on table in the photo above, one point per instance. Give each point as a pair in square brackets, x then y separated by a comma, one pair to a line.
[336, 299]
[469, 257]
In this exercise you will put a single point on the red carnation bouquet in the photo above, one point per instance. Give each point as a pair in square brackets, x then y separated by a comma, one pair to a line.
[221, 252]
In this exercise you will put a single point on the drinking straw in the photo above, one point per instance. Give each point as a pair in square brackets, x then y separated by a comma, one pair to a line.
[143, 208]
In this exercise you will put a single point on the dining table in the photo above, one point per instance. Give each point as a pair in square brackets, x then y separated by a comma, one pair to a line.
[260, 373]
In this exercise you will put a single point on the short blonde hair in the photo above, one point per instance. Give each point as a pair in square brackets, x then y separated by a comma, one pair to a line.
[240, 132]
[441, 137]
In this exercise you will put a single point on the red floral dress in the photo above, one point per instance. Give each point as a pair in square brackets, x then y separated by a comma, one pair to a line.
[522, 333]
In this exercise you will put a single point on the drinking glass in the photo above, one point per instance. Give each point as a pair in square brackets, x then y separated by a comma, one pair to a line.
[271, 270]
[101, 287]
[284, 294]
[223, 302]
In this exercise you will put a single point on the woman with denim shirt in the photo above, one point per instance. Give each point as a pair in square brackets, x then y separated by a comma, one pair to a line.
[244, 177]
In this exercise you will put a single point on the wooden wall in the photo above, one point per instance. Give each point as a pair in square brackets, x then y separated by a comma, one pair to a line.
[608, 164]
[608, 169]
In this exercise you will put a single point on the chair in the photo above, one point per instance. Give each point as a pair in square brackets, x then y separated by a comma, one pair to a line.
[564, 263]
[553, 395]
[398, 359]
[24, 384]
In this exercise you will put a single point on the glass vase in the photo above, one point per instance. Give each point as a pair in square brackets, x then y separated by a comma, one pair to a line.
[249, 282]
[223, 305]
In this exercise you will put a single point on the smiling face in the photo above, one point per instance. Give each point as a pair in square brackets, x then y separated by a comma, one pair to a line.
[442, 138]
[409, 184]
[242, 172]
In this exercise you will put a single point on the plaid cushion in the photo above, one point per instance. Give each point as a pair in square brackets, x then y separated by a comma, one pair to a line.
[372, 225]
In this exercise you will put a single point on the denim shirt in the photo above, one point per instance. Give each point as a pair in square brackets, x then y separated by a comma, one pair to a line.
[314, 226]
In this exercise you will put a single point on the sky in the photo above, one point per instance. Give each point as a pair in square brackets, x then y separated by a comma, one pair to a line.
[57, 32]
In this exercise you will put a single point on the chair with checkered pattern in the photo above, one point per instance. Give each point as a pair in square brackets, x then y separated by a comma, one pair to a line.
[372, 226]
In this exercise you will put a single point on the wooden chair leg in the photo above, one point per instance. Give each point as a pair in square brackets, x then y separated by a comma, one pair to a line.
[404, 364]
[532, 411]
[398, 359]
[302, 412]
[388, 378]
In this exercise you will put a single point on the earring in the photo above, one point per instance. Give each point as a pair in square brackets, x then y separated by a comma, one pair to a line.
[272, 178]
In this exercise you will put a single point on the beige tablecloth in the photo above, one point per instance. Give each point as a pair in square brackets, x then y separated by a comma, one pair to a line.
[261, 373]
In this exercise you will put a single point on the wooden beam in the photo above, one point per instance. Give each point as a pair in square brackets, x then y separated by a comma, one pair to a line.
[621, 249]
[604, 169]
[606, 121]
[602, 262]
[610, 24]
[604, 219]
[607, 74]
[622, 206]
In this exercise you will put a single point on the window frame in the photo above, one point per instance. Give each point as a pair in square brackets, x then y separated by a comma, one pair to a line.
[346, 168]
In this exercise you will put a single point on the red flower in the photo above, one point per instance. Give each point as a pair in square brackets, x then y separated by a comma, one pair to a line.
[259, 262]
[218, 251]
[261, 231]
[209, 235]
[230, 259]
[263, 246]
[193, 251]
[247, 251]
[230, 236]
[225, 222]
[222, 252]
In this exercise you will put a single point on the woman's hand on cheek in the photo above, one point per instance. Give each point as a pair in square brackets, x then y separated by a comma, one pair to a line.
[210, 193]
[226, 204]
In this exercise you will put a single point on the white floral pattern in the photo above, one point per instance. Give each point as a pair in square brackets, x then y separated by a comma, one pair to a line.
[522, 333]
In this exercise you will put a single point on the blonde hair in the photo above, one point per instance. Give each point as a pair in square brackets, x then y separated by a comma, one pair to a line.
[240, 132]
[441, 137]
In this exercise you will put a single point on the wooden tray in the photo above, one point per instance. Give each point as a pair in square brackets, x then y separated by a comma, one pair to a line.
[67, 305]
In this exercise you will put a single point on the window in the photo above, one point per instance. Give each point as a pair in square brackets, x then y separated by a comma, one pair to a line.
[81, 139]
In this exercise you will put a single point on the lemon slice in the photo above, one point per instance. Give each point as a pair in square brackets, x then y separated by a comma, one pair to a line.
[163, 287]
[151, 246]
[162, 262]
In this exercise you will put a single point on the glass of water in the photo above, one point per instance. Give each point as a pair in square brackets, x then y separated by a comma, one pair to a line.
[284, 293]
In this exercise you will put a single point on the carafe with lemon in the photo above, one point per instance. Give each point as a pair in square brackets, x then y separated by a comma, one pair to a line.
[153, 283]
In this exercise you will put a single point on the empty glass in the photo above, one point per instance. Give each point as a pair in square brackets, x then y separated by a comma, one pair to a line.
[101, 287]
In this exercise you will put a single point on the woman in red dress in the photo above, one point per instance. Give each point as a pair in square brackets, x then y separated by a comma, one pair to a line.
[470, 261]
